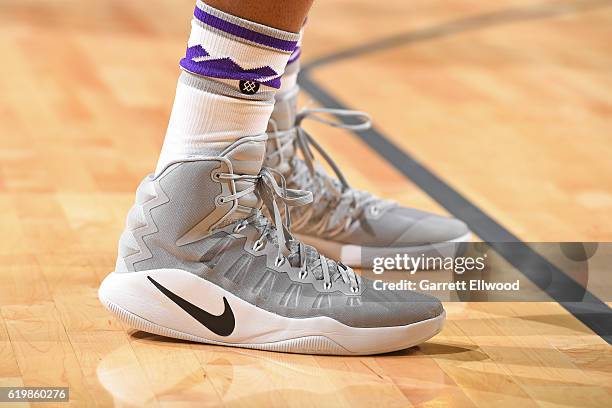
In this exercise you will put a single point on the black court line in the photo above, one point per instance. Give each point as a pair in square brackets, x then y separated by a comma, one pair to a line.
[462, 25]
[591, 311]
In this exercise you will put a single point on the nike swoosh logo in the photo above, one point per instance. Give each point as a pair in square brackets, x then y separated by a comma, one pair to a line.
[222, 325]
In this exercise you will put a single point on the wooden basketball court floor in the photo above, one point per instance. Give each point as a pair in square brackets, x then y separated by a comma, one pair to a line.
[508, 103]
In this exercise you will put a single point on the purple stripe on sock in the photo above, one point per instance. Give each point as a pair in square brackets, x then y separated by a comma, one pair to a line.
[295, 55]
[225, 68]
[243, 32]
[196, 52]
[273, 83]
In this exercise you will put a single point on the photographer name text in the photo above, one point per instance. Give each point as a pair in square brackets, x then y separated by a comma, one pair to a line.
[467, 285]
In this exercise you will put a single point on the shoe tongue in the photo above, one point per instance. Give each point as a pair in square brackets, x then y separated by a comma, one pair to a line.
[247, 157]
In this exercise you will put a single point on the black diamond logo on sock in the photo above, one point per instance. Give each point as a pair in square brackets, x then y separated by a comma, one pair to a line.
[249, 87]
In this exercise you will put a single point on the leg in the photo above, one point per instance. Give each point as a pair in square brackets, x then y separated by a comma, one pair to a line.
[232, 70]
[198, 258]
[284, 15]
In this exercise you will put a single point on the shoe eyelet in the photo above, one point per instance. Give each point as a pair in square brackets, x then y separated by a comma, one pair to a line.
[327, 285]
[257, 245]
[279, 261]
[354, 289]
[239, 227]
[303, 275]
[216, 176]
[220, 200]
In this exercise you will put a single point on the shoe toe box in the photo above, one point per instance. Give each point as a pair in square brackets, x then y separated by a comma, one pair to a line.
[405, 227]
[427, 228]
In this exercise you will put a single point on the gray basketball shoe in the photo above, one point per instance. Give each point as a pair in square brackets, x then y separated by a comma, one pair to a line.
[343, 223]
[199, 261]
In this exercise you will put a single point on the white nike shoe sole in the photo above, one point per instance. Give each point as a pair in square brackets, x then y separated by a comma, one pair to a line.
[357, 256]
[135, 300]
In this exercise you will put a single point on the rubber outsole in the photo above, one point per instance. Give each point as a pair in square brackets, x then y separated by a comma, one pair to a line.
[316, 342]
[303, 345]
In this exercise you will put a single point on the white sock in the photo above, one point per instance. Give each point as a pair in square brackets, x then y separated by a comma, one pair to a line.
[232, 70]
[289, 78]
[285, 103]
